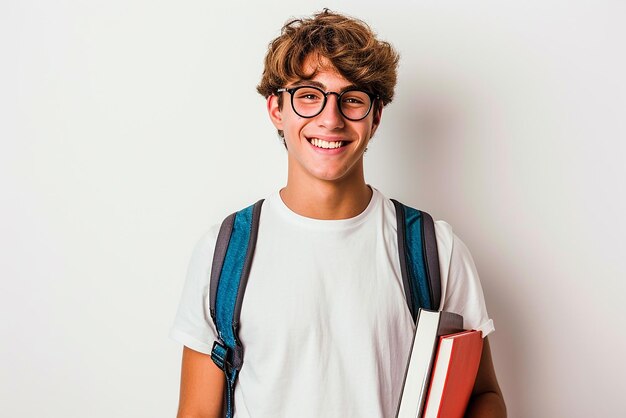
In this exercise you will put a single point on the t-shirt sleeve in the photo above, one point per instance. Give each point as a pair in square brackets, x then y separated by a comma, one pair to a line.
[461, 290]
[193, 326]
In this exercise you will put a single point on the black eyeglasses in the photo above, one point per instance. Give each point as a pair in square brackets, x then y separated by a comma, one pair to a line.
[309, 101]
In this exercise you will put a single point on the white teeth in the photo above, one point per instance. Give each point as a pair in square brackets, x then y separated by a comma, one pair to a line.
[325, 144]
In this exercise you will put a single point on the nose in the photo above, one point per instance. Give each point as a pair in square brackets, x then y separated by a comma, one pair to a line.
[331, 117]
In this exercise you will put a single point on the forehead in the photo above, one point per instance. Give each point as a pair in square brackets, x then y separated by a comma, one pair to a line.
[321, 73]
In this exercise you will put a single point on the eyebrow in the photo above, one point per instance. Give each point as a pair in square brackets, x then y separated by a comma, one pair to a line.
[314, 83]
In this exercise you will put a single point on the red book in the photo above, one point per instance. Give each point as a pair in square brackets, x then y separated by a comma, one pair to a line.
[454, 373]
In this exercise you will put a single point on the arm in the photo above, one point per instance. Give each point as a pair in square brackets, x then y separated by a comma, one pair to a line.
[486, 400]
[201, 386]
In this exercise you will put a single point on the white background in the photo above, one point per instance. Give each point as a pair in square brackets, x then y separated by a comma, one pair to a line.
[128, 127]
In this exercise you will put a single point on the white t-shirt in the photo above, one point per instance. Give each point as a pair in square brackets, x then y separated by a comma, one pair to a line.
[325, 326]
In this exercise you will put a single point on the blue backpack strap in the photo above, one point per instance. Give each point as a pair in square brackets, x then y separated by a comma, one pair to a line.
[419, 259]
[232, 260]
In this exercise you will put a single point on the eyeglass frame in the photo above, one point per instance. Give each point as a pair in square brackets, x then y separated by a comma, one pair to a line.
[373, 97]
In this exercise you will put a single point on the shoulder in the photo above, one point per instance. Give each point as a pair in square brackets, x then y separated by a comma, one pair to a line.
[445, 237]
[199, 266]
[451, 248]
[454, 256]
[206, 244]
[450, 245]
[202, 256]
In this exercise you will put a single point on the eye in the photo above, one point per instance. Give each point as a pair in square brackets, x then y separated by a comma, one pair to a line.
[355, 99]
[308, 94]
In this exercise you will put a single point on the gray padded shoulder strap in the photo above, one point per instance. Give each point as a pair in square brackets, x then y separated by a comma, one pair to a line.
[221, 246]
[432, 259]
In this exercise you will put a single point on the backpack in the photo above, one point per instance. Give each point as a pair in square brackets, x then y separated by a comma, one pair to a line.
[232, 259]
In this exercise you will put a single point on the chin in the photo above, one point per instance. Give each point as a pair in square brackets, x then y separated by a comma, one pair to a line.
[331, 176]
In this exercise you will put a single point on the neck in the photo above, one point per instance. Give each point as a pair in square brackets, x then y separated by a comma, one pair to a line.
[326, 199]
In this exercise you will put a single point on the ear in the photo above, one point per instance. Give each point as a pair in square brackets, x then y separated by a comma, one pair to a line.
[275, 112]
[378, 114]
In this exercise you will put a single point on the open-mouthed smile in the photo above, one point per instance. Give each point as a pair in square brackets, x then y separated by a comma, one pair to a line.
[320, 143]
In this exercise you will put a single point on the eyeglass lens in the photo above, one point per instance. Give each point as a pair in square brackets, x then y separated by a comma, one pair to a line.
[310, 101]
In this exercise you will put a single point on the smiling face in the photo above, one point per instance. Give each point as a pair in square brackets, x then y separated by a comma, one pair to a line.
[327, 147]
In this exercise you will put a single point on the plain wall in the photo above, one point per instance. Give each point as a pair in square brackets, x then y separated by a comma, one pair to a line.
[129, 127]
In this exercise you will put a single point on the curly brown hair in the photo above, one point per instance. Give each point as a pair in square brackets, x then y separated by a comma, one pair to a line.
[347, 43]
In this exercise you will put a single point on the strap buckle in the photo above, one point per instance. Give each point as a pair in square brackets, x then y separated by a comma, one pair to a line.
[222, 356]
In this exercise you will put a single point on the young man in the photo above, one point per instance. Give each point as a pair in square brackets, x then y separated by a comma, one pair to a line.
[325, 325]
